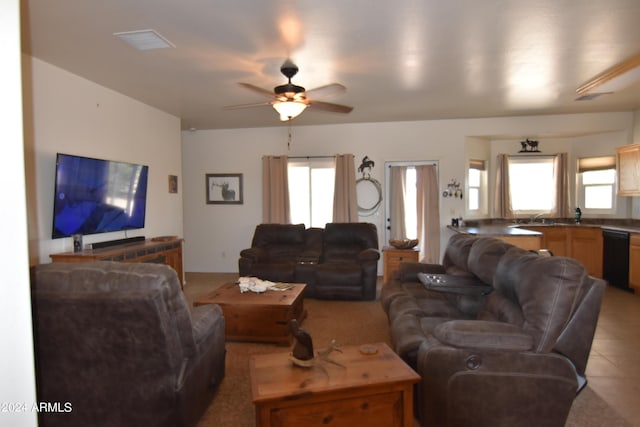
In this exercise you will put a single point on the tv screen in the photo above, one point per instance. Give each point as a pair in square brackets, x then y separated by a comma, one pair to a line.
[97, 196]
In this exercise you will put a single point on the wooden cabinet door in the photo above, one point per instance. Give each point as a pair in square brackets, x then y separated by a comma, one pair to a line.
[634, 261]
[586, 247]
[556, 240]
[628, 168]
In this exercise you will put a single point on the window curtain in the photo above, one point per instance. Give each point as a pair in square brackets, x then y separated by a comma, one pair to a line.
[345, 201]
[428, 213]
[275, 190]
[502, 199]
[398, 184]
[560, 168]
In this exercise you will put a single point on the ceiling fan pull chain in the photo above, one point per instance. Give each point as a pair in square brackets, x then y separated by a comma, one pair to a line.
[289, 140]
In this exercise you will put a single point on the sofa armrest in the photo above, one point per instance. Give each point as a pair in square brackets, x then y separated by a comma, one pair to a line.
[369, 254]
[204, 319]
[408, 271]
[254, 254]
[483, 335]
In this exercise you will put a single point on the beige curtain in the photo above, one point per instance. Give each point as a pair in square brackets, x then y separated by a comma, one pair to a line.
[275, 190]
[398, 184]
[428, 213]
[502, 199]
[560, 168]
[345, 198]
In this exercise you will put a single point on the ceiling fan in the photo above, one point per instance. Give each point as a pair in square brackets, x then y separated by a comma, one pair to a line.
[290, 100]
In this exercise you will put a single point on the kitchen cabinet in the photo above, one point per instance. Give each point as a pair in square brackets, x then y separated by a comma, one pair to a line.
[530, 243]
[586, 247]
[580, 242]
[628, 167]
[634, 261]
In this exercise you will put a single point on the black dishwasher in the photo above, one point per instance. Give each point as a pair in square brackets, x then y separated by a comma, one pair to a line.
[615, 262]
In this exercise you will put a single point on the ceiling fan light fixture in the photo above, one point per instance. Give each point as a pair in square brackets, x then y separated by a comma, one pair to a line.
[289, 110]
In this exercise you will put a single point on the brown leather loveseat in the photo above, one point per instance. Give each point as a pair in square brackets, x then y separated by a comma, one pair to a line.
[337, 262]
[117, 345]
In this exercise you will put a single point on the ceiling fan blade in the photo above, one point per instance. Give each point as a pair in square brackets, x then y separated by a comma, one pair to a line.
[326, 91]
[328, 106]
[259, 90]
[239, 106]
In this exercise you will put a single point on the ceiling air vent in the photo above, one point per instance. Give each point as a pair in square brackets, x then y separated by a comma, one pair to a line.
[592, 96]
[144, 39]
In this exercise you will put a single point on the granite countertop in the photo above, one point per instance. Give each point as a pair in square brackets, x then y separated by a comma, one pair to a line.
[521, 229]
[496, 230]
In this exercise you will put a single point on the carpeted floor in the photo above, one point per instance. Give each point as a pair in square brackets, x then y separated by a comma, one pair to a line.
[347, 323]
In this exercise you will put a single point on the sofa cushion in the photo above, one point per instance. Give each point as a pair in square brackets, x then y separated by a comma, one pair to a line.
[457, 253]
[112, 278]
[273, 234]
[546, 289]
[338, 274]
[483, 335]
[484, 256]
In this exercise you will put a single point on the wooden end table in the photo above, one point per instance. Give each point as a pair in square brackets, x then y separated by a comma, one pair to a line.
[262, 317]
[370, 390]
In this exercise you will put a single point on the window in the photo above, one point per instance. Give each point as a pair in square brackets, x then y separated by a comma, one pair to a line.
[596, 184]
[311, 192]
[476, 179]
[532, 184]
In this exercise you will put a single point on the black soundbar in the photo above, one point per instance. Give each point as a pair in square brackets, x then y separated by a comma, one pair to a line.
[109, 243]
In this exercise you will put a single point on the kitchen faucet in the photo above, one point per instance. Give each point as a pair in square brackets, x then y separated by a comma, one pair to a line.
[534, 217]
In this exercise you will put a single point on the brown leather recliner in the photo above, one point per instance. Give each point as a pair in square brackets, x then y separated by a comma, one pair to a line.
[119, 344]
[523, 359]
[349, 265]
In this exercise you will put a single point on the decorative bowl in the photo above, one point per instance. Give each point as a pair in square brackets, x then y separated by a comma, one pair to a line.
[403, 243]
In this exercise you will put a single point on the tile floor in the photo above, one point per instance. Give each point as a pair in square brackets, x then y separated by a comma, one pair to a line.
[613, 370]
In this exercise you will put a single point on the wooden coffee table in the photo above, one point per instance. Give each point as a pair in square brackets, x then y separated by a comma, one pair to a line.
[256, 317]
[370, 390]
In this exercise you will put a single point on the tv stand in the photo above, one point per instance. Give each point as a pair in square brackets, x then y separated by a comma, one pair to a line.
[165, 250]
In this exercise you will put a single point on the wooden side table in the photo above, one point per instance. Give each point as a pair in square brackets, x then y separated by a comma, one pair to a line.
[392, 258]
[367, 390]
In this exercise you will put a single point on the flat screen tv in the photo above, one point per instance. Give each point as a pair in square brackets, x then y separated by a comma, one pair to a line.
[97, 196]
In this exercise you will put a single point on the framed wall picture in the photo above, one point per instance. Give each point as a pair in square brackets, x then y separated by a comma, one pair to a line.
[224, 188]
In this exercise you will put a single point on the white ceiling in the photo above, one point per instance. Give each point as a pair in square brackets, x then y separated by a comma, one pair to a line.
[400, 60]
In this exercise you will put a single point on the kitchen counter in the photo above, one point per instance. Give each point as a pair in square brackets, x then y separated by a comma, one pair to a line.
[496, 230]
[511, 229]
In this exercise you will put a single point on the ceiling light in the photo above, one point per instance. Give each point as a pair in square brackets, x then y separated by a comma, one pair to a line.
[144, 39]
[615, 79]
[289, 110]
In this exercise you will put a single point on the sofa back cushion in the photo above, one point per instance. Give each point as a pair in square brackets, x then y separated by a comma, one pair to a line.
[344, 241]
[484, 256]
[282, 242]
[108, 281]
[457, 253]
[545, 291]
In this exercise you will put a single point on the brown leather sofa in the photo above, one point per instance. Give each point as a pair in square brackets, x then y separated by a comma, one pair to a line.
[516, 356]
[337, 262]
[119, 344]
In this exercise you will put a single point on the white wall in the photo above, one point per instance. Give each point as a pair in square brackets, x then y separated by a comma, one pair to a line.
[215, 234]
[17, 378]
[69, 114]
